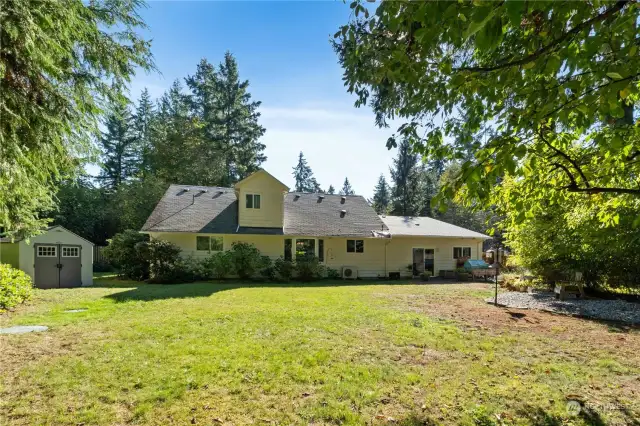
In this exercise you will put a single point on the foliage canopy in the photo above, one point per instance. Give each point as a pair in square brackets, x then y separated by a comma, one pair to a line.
[556, 81]
[58, 67]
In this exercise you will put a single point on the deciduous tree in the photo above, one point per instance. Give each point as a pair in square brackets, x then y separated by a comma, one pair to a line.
[556, 81]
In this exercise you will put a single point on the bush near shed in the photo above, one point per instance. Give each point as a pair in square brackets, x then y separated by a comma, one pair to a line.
[15, 287]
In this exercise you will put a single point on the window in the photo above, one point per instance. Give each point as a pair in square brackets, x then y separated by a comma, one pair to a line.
[287, 249]
[321, 250]
[209, 243]
[70, 251]
[460, 252]
[355, 246]
[252, 201]
[47, 251]
[305, 247]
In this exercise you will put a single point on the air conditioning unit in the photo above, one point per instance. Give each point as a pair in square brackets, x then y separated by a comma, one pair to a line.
[349, 272]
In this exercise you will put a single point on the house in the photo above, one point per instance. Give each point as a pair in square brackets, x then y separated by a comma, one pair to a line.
[57, 258]
[342, 231]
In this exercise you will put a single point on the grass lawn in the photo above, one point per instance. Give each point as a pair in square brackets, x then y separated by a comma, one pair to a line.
[367, 353]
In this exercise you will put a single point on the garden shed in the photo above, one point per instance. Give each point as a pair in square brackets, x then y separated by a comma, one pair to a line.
[57, 258]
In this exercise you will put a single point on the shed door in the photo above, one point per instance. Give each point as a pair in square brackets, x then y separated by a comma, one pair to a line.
[46, 266]
[70, 266]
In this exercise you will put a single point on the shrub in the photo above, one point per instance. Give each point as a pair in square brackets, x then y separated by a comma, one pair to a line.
[284, 269]
[123, 255]
[267, 270]
[220, 264]
[333, 274]
[15, 287]
[102, 266]
[309, 268]
[163, 258]
[246, 259]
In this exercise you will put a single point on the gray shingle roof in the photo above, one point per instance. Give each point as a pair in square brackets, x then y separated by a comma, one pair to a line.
[216, 211]
[185, 208]
[427, 227]
[307, 214]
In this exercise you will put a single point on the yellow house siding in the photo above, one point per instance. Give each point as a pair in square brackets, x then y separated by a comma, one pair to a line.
[271, 211]
[374, 261]
[269, 245]
[370, 263]
[400, 251]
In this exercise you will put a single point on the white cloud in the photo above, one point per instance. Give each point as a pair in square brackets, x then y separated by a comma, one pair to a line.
[336, 143]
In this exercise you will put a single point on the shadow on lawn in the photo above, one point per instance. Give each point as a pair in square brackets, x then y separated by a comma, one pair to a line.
[147, 292]
[539, 417]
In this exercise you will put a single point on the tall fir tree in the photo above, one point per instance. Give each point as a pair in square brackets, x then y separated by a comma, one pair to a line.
[381, 196]
[142, 120]
[305, 182]
[407, 198]
[346, 188]
[229, 117]
[180, 154]
[117, 143]
[331, 190]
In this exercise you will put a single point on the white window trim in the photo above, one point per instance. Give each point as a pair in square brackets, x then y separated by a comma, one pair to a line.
[75, 250]
[316, 246]
[354, 246]
[253, 204]
[209, 250]
[55, 251]
[453, 252]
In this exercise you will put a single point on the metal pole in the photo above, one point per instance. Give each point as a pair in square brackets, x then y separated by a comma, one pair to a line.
[495, 297]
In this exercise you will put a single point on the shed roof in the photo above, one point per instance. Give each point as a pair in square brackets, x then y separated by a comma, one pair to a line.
[427, 227]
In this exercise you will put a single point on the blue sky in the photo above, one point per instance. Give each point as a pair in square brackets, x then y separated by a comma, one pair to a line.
[283, 50]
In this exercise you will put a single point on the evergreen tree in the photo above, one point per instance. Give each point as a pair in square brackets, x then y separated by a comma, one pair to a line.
[305, 182]
[142, 128]
[119, 160]
[407, 199]
[381, 196]
[180, 154]
[316, 186]
[59, 63]
[331, 190]
[229, 116]
[346, 188]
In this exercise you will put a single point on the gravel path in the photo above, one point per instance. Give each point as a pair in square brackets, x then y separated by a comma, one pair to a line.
[613, 310]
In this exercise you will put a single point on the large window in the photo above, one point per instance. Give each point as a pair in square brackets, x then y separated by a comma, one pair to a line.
[305, 247]
[287, 249]
[209, 243]
[461, 252]
[252, 201]
[355, 246]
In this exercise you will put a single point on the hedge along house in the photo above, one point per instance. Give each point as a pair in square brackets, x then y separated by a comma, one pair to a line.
[57, 258]
[344, 232]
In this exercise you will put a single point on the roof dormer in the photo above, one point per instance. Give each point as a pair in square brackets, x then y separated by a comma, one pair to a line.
[261, 201]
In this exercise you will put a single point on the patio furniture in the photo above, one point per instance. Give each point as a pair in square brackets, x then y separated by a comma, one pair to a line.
[573, 286]
[479, 269]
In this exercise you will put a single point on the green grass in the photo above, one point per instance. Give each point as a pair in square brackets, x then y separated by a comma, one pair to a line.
[208, 353]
